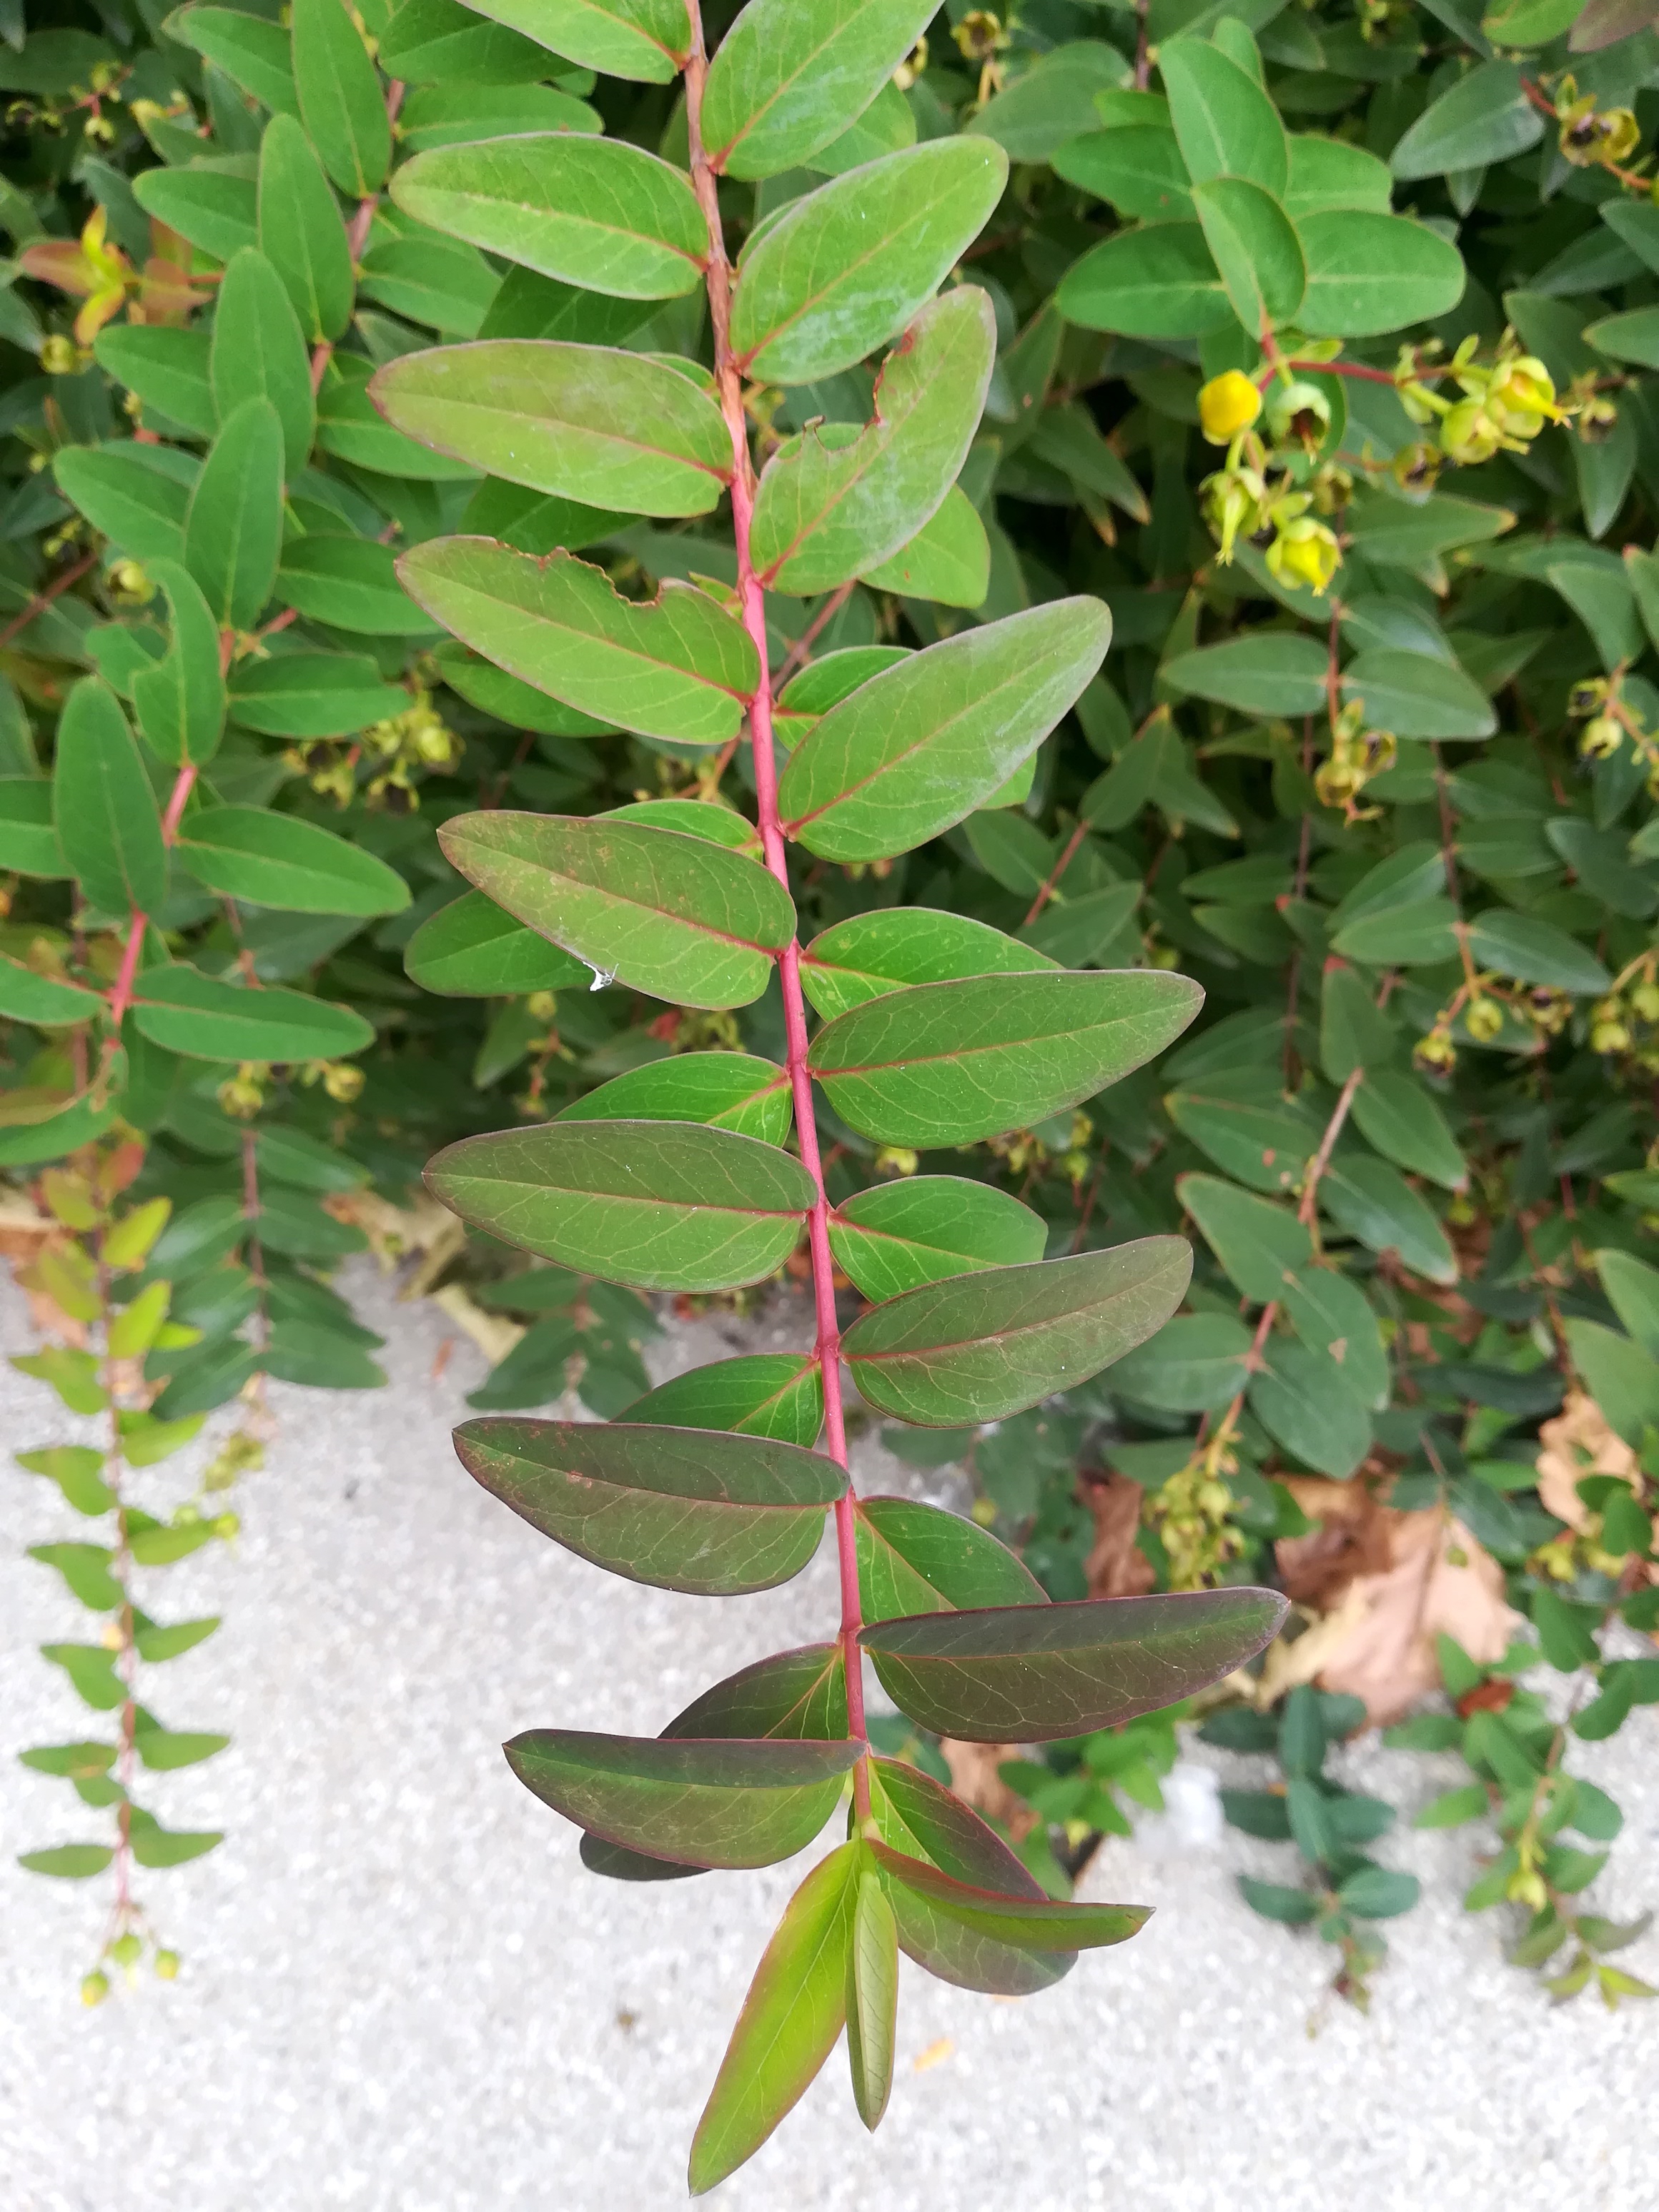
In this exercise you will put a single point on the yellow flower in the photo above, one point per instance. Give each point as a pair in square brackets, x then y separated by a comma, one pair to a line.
[1305, 551]
[1521, 396]
[1227, 404]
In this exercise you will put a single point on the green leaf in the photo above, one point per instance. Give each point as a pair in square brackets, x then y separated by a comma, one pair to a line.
[703, 1801]
[70, 1761]
[1299, 1398]
[950, 1063]
[470, 949]
[1354, 1030]
[833, 502]
[1068, 437]
[1633, 1291]
[301, 230]
[1257, 1243]
[766, 1394]
[1482, 117]
[263, 859]
[204, 1018]
[91, 1670]
[107, 821]
[349, 583]
[252, 52]
[1255, 248]
[794, 1697]
[166, 369]
[455, 114]
[1138, 167]
[1158, 281]
[919, 1819]
[661, 1206]
[163, 1750]
[41, 1001]
[842, 270]
[1622, 1376]
[1371, 1202]
[1194, 1365]
[886, 126]
[788, 79]
[1033, 1924]
[590, 422]
[1224, 121]
[1534, 951]
[1397, 1113]
[948, 560]
[1265, 1143]
[1632, 337]
[1331, 1316]
[78, 1470]
[871, 1998]
[1260, 673]
[1052, 99]
[595, 212]
[1530, 22]
[349, 424]
[435, 42]
[897, 1236]
[126, 492]
[212, 204]
[978, 1347]
[311, 694]
[1330, 172]
[1292, 1908]
[340, 100]
[1452, 1807]
[180, 702]
[645, 40]
[677, 666]
[258, 352]
[86, 1569]
[679, 917]
[1371, 274]
[790, 2017]
[1375, 1893]
[725, 1090]
[915, 1558]
[171, 1847]
[1033, 1673]
[869, 954]
[234, 526]
[1417, 694]
[68, 1862]
[926, 741]
[687, 1510]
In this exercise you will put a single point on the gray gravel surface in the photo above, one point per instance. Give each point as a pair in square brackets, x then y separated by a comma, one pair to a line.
[401, 1992]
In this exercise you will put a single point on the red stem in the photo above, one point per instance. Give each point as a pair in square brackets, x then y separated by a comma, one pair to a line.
[356, 239]
[43, 598]
[752, 602]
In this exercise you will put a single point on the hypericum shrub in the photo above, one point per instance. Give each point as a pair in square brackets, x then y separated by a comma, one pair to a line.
[591, 519]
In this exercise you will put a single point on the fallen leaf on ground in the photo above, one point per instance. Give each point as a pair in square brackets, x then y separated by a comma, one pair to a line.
[1576, 1443]
[1439, 1580]
[493, 1334]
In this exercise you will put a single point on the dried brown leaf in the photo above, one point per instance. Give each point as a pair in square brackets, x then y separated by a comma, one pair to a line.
[1438, 1580]
[1116, 1566]
[975, 1778]
[1576, 1443]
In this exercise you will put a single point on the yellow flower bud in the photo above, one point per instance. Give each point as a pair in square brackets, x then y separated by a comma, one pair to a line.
[1228, 404]
[1484, 1020]
[1600, 738]
[1305, 551]
[60, 356]
[1466, 436]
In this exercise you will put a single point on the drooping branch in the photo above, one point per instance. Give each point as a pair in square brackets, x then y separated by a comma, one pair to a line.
[752, 607]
